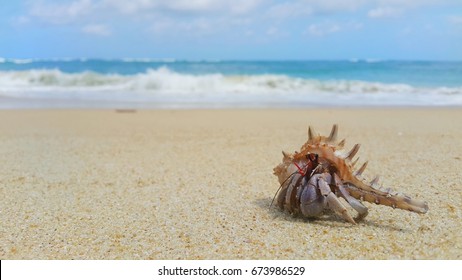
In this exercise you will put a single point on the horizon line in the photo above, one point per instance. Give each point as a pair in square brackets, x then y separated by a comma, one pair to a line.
[216, 60]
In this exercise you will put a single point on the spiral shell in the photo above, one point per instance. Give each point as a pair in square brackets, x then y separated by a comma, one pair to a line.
[335, 167]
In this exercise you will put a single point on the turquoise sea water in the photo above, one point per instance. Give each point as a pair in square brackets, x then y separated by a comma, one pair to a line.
[146, 83]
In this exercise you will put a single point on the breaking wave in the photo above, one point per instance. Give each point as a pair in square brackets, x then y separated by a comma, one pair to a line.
[165, 85]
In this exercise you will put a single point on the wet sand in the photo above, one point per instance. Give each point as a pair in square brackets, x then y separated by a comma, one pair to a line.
[197, 184]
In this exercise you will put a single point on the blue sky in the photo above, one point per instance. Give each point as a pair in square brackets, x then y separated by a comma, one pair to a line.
[238, 29]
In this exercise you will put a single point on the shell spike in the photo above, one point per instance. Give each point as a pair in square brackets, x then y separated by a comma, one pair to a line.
[375, 181]
[353, 152]
[361, 169]
[341, 144]
[333, 134]
[311, 133]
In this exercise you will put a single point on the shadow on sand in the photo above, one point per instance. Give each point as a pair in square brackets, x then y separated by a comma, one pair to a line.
[329, 219]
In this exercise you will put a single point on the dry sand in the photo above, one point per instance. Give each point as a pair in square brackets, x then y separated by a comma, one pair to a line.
[197, 184]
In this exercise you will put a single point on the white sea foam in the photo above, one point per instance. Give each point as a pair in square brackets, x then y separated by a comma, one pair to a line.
[22, 61]
[165, 86]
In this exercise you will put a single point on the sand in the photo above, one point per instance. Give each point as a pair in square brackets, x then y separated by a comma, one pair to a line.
[197, 184]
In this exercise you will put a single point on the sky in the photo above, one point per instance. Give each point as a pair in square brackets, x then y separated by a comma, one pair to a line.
[237, 29]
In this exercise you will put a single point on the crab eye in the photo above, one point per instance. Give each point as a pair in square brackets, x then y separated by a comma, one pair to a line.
[312, 157]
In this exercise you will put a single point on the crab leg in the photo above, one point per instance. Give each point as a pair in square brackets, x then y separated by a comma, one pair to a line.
[332, 201]
[356, 204]
[291, 194]
[311, 203]
[281, 195]
[362, 190]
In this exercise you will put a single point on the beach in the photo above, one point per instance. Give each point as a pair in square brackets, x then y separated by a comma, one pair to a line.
[197, 184]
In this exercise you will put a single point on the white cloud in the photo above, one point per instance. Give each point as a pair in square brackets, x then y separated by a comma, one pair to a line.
[191, 28]
[384, 12]
[411, 3]
[322, 29]
[65, 11]
[182, 6]
[20, 20]
[161, 25]
[193, 5]
[326, 28]
[129, 6]
[244, 7]
[97, 29]
[206, 17]
[406, 31]
[457, 20]
[296, 8]
[272, 31]
[287, 10]
[337, 5]
[86, 11]
[396, 8]
[60, 13]
[191, 17]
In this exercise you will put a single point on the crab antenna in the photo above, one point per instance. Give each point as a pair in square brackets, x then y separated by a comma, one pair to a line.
[280, 187]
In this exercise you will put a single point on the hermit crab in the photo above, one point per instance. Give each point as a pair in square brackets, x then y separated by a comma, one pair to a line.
[315, 179]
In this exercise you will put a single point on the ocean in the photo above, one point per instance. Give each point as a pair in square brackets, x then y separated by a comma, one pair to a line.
[169, 83]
